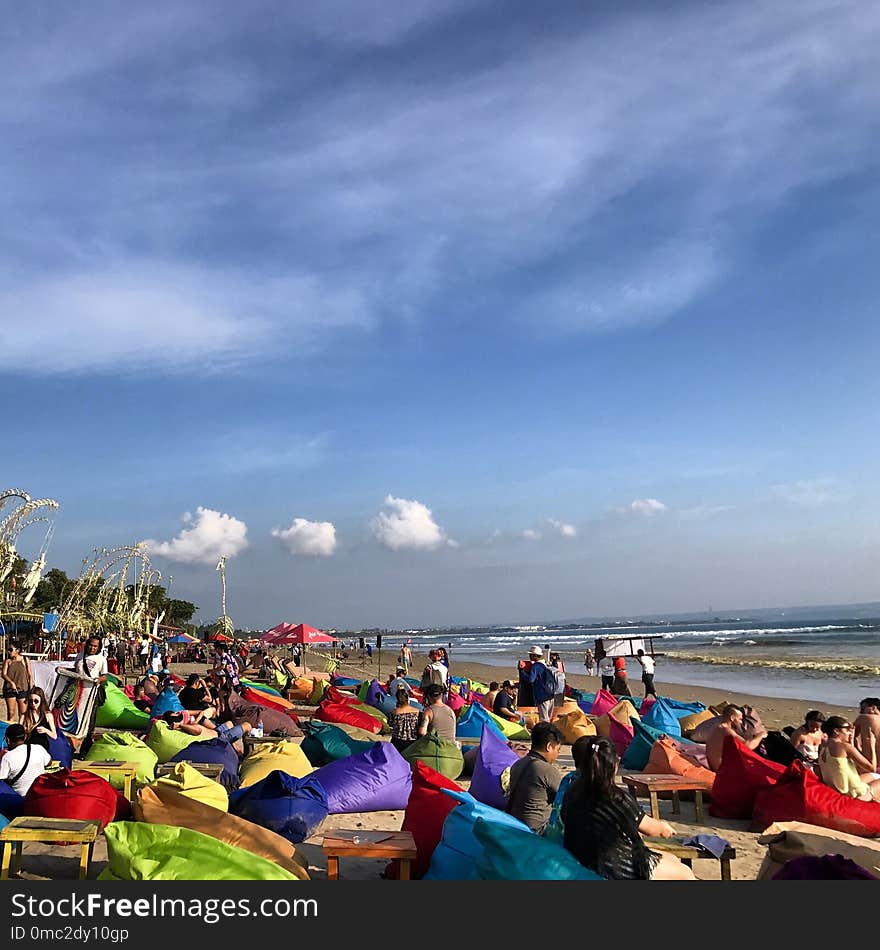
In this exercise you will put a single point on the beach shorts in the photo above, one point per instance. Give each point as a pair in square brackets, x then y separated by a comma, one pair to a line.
[10, 692]
[230, 733]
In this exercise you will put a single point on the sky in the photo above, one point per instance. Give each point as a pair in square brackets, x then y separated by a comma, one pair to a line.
[447, 313]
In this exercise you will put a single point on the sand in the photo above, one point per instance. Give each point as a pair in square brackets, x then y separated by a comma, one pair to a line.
[42, 862]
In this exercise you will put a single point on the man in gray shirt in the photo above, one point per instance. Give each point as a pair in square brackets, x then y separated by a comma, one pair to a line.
[534, 780]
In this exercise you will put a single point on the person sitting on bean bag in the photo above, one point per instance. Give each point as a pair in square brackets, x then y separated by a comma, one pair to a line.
[205, 729]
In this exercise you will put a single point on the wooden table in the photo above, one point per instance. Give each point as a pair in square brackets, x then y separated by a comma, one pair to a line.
[688, 853]
[109, 767]
[48, 831]
[211, 770]
[650, 784]
[340, 843]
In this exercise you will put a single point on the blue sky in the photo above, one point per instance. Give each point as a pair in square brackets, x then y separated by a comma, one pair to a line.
[458, 313]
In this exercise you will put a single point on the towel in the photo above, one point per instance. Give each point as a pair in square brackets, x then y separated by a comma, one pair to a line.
[714, 844]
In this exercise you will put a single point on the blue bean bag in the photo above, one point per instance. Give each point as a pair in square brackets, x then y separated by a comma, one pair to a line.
[683, 709]
[494, 755]
[292, 807]
[61, 750]
[11, 802]
[377, 780]
[454, 858]
[661, 716]
[166, 701]
[639, 749]
[471, 721]
[376, 696]
[3, 821]
[511, 854]
[3, 727]
[345, 682]
[326, 743]
[217, 751]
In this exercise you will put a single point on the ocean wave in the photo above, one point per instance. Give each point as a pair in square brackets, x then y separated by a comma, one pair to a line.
[740, 631]
[829, 665]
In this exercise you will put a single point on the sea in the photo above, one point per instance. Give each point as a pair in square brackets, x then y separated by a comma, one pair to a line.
[836, 661]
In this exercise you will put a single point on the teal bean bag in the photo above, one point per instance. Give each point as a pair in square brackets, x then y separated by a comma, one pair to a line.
[511, 854]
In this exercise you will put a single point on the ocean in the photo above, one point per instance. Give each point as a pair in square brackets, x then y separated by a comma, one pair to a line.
[832, 661]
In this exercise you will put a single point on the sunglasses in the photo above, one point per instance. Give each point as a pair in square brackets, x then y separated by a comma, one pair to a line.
[36, 700]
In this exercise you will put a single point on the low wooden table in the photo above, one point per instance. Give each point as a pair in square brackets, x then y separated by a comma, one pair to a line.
[109, 767]
[340, 843]
[650, 784]
[212, 770]
[48, 831]
[688, 853]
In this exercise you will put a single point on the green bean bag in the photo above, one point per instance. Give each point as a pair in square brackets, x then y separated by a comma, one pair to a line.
[124, 747]
[511, 730]
[119, 712]
[167, 742]
[439, 754]
[190, 783]
[326, 742]
[137, 851]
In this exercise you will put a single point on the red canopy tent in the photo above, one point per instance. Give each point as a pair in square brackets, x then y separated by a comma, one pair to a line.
[279, 630]
[302, 634]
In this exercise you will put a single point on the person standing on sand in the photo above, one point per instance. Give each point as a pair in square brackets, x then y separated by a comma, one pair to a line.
[647, 665]
[606, 671]
[543, 683]
[866, 728]
[589, 662]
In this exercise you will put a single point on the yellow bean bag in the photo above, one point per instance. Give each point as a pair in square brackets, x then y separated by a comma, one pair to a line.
[267, 757]
[689, 723]
[300, 689]
[162, 805]
[574, 724]
[190, 783]
[319, 687]
[568, 705]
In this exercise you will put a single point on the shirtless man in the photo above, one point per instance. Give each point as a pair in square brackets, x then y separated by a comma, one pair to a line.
[730, 724]
[866, 727]
[808, 737]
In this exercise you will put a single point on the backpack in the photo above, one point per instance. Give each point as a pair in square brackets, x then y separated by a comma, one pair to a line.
[548, 681]
[430, 675]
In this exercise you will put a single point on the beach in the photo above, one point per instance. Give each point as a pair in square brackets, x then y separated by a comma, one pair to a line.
[48, 862]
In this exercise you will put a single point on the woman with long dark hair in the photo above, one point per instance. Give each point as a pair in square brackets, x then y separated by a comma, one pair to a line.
[604, 824]
[38, 722]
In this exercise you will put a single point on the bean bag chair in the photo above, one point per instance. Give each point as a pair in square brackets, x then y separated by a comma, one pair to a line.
[161, 804]
[217, 751]
[124, 747]
[166, 701]
[826, 867]
[353, 732]
[11, 803]
[363, 690]
[263, 687]
[275, 721]
[377, 780]
[602, 702]
[615, 725]
[319, 688]
[568, 706]
[574, 724]
[442, 755]
[682, 709]
[379, 699]
[61, 750]
[739, 777]
[471, 721]
[167, 742]
[3, 727]
[189, 783]
[283, 755]
[455, 702]
[300, 689]
[294, 808]
[511, 730]
[493, 756]
[250, 695]
[665, 759]
[374, 712]
[456, 854]
[702, 731]
[639, 750]
[799, 795]
[690, 722]
[325, 743]
[345, 682]
[426, 810]
[78, 795]
[661, 716]
[511, 854]
[338, 713]
[119, 712]
[3, 822]
[137, 851]
[777, 747]
[787, 840]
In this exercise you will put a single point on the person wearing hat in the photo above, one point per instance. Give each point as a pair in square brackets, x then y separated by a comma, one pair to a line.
[398, 681]
[543, 682]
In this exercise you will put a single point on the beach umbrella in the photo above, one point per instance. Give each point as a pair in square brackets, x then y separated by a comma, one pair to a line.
[279, 630]
[303, 634]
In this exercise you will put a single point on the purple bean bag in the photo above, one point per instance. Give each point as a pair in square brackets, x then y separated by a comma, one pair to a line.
[493, 757]
[377, 780]
[377, 697]
[217, 751]
[289, 806]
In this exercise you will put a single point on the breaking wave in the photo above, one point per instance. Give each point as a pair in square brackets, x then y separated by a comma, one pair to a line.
[840, 667]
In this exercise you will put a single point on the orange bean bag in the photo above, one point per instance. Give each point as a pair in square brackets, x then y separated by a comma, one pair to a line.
[665, 759]
[574, 724]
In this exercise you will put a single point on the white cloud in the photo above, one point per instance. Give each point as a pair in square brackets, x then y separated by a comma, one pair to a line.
[310, 538]
[208, 535]
[566, 530]
[809, 492]
[408, 524]
[647, 506]
[531, 535]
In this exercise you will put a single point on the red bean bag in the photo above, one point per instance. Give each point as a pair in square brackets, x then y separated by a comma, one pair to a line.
[335, 696]
[343, 712]
[78, 795]
[739, 777]
[800, 795]
[426, 810]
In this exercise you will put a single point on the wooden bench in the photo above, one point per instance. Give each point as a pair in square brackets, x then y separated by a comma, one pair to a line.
[341, 843]
[688, 853]
[48, 831]
[651, 784]
[211, 770]
[110, 767]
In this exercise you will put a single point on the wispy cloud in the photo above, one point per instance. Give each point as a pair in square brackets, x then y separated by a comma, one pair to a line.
[565, 529]
[530, 534]
[646, 506]
[408, 524]
[308, 538]
[810, 492]
[208, 535]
